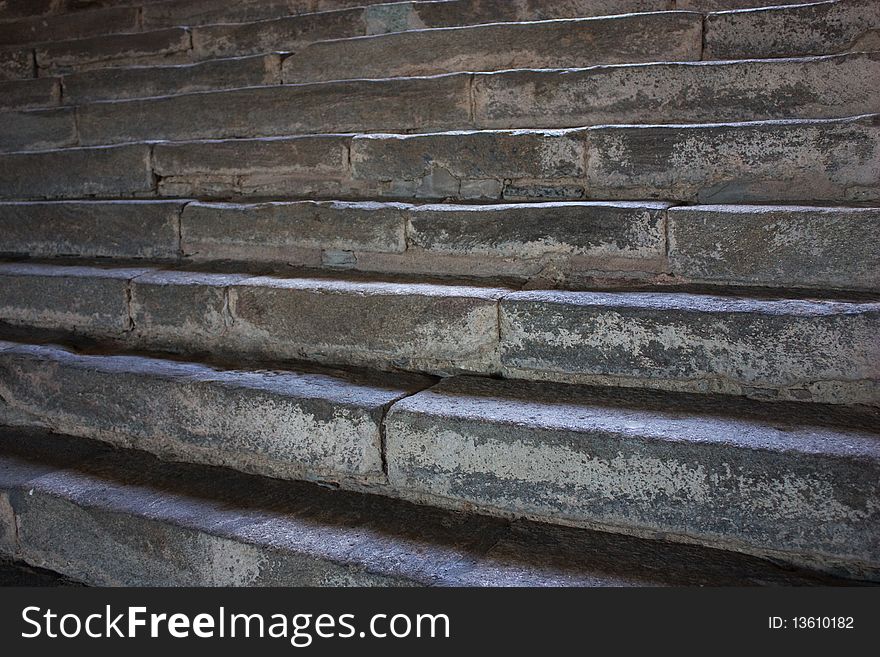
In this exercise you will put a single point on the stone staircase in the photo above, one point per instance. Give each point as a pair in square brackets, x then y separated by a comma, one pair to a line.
[451, 292]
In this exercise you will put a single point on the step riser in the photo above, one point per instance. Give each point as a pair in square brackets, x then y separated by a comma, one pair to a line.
[669, 93]
[801, 351]
[810, 29]
[119, 83]
[739, 348]
[289, 426]
[667, 475]
[827, 28]
[593, 460]
[559, 244]
[628, 39]
[114, 518]
[795, 161]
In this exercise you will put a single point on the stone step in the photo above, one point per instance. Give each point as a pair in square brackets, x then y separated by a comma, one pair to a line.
[790, 481]
[660, 36]
[766, 348]
[668, 93]
[284, 424]
[807, 29]
[567, 245]
[834, 160]
[107, 517]
[631, 38]
[277, 18]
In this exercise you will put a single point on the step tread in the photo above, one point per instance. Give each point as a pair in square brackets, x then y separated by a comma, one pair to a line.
[268, 532]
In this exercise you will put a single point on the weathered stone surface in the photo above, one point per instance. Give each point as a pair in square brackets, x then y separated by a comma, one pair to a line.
[202, 12]
[170, 46]
[399, 105]
[178, 310]
[74, 25]
[77, 172]
[134, 82]
[777, 246]
[585, 42]
[117, 229]
[781, 480]
[430, 328]
[821, 351]
[10, 9]
[36, 92]
[604, 235]
[86, 300]
[286, 33]
[685, 92]
[114, 518]
[419, 15]
[290, 232]
[808, 29]
[290, 425]
[298, 166]
[37, 129]
[799, 160]
[472, 164]
[16, 64]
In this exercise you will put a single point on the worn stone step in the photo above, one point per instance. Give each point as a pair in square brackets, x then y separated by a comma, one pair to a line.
[783, 246]
[112, 518]
[660, 36]
[664, 36]
[159, 47]
[30, 93]
[672, 93]
[92, 229]
[284, 424]
[568, 244]
[824, 351]
[142, 81]
[73, 25]
[788, 481]
[807, 29]
[430, 328]
[767, 348]
[833, 160]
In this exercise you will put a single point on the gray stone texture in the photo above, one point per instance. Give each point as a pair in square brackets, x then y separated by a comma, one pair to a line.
[287, 33]
[290, 425]
[585, 42]
[471, 164]
[16, 64]
[780, 480]
[170, 46]
[86, 300]
[808, 29]
[35, 92]
[289, 232]
[430, 328]
[417, 104]
[143, 81]
[111, 171]
[822, 351]
[798, 160]
[73, 25]
[37, 129]
[687, 92]
[91, 229]
[783, 246]
[122, 518]
[298, 166]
